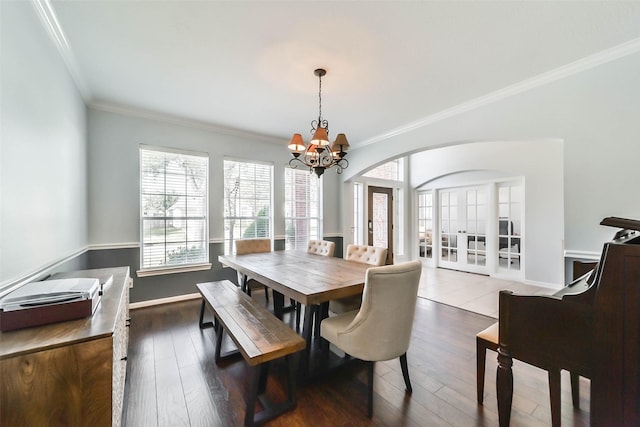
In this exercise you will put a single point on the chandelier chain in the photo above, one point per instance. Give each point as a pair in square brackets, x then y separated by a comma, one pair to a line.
[319, 99]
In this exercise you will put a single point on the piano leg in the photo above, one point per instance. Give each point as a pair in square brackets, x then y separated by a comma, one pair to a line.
[504, 388]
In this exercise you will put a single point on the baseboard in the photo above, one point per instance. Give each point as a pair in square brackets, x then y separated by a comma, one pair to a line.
[161, 301]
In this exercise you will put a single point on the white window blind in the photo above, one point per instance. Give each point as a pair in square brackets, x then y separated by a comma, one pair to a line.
[303, 209]
[173, 208]
[247, 201]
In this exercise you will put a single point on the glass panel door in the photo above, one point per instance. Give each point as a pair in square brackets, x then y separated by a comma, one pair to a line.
[510, 227]
[463, 229]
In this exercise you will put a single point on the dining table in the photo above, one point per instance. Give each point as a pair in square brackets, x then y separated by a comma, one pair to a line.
[310, 279]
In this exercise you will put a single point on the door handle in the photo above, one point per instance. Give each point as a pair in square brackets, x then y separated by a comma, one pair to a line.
[370, 226]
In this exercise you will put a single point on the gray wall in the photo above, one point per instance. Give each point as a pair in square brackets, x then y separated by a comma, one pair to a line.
[594, 112]
[43, 167]
[114, 207]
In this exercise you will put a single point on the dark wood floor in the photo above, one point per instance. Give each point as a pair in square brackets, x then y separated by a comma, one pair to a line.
[172, 379]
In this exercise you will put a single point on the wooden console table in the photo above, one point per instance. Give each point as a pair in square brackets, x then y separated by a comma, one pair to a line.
[69, 373]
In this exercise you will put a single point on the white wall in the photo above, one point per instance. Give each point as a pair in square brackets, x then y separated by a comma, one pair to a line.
[43, 185]
[114, 141]
[495, 161]
[595, 113]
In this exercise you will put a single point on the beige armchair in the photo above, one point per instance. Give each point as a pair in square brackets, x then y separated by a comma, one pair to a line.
[359, 253]
[381, 329]
[321, 247]
[252, 246]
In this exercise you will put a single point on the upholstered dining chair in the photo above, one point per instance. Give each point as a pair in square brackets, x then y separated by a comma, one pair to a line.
[381, 329]
[316, 247]
[359, 253]
[321, 247]
[252, 246]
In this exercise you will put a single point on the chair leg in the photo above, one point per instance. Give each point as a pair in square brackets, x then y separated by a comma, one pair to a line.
[481, 356]
[405, 372]
[575, 389]
[554, 393]
[370, 366]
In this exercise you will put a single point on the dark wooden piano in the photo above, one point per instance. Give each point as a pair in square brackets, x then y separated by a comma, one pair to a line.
[591, 329]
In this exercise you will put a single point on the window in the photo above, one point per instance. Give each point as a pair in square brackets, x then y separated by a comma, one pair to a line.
[247, 201]
[302, 208]
[391, 170]
[425, 224]
[173, 208]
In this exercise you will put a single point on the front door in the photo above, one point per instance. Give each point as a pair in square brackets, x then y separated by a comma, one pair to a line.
[463, 229]
[380, 219]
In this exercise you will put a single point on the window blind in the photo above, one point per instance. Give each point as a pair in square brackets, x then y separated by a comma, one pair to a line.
[303, 209]
[173, 208]
[247, 201]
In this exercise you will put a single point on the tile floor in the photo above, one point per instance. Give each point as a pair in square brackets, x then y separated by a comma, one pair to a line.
[472, 292]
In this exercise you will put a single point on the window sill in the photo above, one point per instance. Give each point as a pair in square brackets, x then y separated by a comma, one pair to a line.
[173, 270]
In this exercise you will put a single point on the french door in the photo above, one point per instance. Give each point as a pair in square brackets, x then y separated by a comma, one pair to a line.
[463, 229]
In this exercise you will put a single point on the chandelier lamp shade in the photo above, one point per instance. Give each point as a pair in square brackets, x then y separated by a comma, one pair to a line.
[319, 154]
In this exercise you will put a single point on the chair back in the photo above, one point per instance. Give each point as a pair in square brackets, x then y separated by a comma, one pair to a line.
[366, 254]
[252, 246]
[382, 328]
[321, 247]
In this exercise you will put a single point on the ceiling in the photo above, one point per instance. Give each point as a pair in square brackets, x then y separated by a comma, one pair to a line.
[248, 65]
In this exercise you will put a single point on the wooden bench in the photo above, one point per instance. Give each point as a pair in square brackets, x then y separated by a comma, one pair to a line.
[259, 336]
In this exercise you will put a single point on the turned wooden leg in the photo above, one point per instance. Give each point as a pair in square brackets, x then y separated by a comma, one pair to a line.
[504, 388]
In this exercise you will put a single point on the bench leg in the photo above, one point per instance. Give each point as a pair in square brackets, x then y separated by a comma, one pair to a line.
[256, 392]
[219, 335]
[254, 385]
[575, 389]
[202, 323]
[554, 395]
[481, 357]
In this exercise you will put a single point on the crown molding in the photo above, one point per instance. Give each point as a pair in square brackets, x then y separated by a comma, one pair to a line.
[50, 22]
[181, 121]
[586, 63]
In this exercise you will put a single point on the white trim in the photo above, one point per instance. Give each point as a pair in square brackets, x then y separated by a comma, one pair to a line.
[161, 301]
[11, 284]
[107, 246]
[173, 270]
[551, 76]
[582, 254]
[51, 24]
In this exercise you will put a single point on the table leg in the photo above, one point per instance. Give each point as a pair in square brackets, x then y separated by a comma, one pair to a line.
[278, 304]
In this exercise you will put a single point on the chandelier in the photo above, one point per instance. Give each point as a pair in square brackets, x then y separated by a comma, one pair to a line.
[317, 155]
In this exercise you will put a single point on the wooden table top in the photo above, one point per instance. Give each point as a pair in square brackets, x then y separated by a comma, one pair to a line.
[307, 278]
[100, 324]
